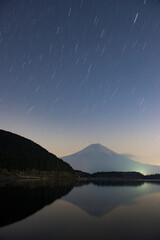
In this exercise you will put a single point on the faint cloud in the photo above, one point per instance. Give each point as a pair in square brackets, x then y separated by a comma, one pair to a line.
[158, 139]
[130, 156]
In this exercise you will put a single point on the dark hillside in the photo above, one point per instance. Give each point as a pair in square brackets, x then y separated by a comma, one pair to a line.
[19, 153]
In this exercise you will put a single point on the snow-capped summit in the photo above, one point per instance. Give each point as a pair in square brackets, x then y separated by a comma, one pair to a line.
[96, 147]
[97, 158]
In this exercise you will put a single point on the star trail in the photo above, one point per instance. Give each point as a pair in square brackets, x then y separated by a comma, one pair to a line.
[78, 72]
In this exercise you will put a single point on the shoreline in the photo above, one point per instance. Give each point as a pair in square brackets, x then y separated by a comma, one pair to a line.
[76, 179]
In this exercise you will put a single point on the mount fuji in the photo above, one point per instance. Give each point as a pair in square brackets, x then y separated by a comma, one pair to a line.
[97, 158]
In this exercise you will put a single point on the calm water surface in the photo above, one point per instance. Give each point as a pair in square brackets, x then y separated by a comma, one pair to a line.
[45, 210]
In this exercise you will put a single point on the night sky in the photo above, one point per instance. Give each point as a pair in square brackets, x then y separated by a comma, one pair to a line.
[77, 72]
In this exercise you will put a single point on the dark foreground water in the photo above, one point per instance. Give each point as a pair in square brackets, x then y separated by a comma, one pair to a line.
[47, 210]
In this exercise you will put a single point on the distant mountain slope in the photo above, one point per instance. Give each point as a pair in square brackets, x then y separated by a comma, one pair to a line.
[19, 153]
[97, 158]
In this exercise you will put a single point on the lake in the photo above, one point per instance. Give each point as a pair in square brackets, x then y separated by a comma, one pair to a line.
[65, 210]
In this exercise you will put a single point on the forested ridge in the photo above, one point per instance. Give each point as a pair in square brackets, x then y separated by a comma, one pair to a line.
[19, 153]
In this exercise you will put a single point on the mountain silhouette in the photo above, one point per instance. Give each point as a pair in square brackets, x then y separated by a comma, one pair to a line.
[97, 158]
[19, 153]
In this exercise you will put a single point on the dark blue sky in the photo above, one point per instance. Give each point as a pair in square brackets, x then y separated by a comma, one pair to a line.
[78, 72]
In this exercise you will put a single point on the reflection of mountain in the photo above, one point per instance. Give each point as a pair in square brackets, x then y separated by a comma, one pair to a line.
[97, 158]
[18, 201]
[138, 219]
[23, 199]
[99, 200]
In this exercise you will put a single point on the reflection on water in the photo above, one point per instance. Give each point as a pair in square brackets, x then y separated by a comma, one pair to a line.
[91, 211]
[100, 199]
[22, 199]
